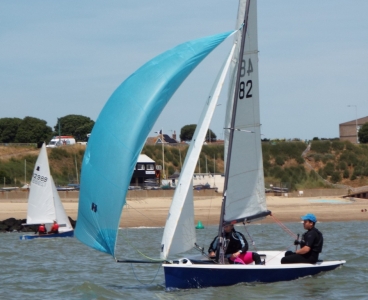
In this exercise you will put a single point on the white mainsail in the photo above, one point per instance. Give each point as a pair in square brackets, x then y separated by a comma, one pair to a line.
[44, 204]
[245, 193]
[40, 201]
[179, 232]
[232, 76]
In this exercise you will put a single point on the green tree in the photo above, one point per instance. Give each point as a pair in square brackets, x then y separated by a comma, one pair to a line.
[211, 136]
[75, 125]
[8, 129]
[187, 132]
[363, 134]
[32, 130]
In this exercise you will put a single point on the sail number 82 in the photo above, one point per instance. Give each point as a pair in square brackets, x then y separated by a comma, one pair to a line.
[245, 88]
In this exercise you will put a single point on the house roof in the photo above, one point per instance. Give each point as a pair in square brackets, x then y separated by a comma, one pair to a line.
[167, 139]
[175, 175]
[143, 158]
[157, 140]
[360, 121]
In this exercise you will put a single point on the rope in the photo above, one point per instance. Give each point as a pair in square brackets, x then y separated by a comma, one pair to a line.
[154, 278]
[141, 253]
[287, 230]
[130, 207]
[250, 237]
[280, 252]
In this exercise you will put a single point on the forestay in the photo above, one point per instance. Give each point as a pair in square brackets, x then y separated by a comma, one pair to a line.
[245, 194]
[119, 134]
[179, 232]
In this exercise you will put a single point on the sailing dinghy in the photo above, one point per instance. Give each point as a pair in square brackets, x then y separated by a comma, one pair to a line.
[44, 204]
[244, 197]
[244, 193]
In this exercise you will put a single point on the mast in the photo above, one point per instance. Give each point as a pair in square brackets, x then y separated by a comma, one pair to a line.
[220, 250]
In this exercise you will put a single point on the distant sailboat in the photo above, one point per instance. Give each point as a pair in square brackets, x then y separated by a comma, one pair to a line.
[244, 193]
[44, 204]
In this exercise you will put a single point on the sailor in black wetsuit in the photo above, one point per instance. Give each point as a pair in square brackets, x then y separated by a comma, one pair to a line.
[237, 246]
[310, 245]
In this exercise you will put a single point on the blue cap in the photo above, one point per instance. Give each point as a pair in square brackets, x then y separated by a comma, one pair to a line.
[310, 217]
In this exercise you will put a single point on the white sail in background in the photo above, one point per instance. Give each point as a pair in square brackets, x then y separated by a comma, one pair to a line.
[44, 204]
[40, 201]
[245, 194]
[179, 232]
[61, 216]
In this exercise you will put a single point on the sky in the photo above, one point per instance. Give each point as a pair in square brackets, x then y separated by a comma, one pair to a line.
[67, 57]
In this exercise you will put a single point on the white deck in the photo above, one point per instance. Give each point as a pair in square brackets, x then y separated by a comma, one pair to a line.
[272, 261]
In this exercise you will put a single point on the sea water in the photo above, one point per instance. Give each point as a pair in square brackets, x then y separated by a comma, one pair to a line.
[63, 268]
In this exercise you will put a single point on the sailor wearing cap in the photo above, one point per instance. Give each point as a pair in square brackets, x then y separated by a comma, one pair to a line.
[311, 244]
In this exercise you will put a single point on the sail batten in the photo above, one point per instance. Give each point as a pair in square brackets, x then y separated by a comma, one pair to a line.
[119, 134]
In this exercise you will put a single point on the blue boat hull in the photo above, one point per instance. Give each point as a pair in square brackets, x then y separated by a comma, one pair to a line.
[46, 236]
[198, 276]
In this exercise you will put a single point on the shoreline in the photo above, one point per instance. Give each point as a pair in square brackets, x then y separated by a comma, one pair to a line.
[152, 212]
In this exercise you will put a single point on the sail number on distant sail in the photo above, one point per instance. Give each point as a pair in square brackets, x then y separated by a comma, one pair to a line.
[245, 88]
[39, 180]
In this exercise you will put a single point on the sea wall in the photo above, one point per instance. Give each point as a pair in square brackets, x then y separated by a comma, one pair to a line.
[144, 194]
[66, 196]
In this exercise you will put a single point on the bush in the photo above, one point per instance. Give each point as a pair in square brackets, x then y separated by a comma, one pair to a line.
[327, 157]
[266, 164]
[321, 146]
[300, 160]
[349, 158]
[313, 175]
[342, 166]
[279, 160]
[329, 169]
[58, 153]
[322, 173]
[317, 157]
[349, 145]
[346, 174]
[336, 177]
[171, 170]
[337, 145]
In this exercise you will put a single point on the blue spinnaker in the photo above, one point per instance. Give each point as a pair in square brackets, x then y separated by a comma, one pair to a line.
[119, 134]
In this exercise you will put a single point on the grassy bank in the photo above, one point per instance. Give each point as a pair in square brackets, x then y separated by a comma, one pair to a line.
[286, 164]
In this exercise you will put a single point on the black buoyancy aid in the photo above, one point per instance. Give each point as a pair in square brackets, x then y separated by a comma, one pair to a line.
[318, 245]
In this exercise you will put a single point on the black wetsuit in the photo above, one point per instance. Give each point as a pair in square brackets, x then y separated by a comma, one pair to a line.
[313, 238]
[235, 242]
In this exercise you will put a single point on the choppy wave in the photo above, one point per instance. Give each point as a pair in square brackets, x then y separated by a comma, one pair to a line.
[66, 269]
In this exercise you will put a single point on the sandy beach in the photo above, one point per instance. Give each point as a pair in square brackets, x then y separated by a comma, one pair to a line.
[152, 212]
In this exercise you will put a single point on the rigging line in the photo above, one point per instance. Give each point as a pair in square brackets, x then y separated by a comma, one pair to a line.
[209, 211]
[136, 277]
[126, 238]
[280, 252]
[139, 212]
[286, 229]
[250, 237]
[141, 253]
